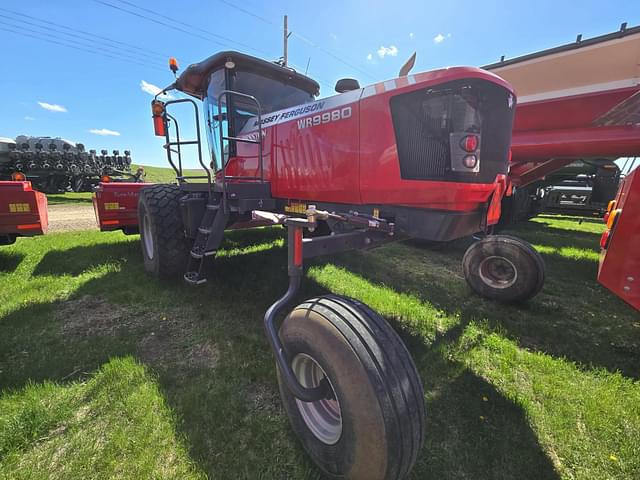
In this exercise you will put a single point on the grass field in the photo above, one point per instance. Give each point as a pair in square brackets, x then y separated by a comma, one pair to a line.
[107, 373]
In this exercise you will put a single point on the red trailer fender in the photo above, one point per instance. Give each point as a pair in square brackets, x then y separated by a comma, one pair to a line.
[23, 211]
[116, 206]
[619, 269]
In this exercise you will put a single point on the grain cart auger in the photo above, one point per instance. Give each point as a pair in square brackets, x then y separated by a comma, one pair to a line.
[420, 156]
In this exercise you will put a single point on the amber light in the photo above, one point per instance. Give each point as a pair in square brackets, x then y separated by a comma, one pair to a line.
[105, 178]
[173, 64]
[611, 221]
[610, 206]
[157, 107]
[18, 177]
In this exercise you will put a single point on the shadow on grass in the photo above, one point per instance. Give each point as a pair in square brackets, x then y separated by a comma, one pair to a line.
[228, 408]
[9, 261]
[77, 260]
[572, 317]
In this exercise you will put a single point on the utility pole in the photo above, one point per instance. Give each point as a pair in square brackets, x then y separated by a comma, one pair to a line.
[286, 38]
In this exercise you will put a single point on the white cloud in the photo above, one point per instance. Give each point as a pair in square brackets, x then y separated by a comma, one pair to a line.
[439, 38]
[370, 57]
[104, 132]
[391, 50]
[29, 118]
[152, 89]
[411, 35]
[52, 107]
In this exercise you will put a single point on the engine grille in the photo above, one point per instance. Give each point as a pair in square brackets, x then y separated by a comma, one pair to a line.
[424, 119]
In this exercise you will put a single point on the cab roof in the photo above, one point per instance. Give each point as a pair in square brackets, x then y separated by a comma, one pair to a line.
[195, 79]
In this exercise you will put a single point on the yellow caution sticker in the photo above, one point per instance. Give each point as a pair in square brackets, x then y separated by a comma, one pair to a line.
[296, 208]
[111, 206]
[19, 208]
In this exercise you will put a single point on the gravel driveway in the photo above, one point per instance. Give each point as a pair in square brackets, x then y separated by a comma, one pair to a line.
[69, 217]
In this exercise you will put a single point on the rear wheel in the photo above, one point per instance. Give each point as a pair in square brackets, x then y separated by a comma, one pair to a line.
[504, 268]
[164, 246]
[371, 426]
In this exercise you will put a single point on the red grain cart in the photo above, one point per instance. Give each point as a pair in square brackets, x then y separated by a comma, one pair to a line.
[23, 211]
[620, 258]
[420, 156]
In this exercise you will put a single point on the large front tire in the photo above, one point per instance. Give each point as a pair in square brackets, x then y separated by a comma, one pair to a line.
[373, 427]
[504, 268]
[164, 246]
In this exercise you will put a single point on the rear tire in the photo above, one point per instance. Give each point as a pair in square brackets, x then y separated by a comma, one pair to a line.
[374, 427]
[504, 268]
[164, 246]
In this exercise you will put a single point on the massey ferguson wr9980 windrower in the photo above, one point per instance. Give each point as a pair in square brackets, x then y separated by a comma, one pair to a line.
[421, 156]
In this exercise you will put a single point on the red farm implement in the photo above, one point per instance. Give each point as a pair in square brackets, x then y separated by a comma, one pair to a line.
[116, 206]
[23, 211]
[620, 258]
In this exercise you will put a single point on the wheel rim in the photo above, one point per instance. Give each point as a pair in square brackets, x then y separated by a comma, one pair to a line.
[322, 417]
[146, 235]
[498, 272]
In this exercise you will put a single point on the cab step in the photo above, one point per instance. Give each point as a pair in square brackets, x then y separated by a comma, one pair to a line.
[194, 278]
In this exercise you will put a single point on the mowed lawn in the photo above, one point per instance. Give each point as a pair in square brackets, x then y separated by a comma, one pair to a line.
[108, 373]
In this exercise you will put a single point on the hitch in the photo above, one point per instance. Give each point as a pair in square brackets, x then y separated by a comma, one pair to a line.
[373, 232]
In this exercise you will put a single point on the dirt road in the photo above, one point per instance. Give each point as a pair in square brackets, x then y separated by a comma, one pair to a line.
[69, 217]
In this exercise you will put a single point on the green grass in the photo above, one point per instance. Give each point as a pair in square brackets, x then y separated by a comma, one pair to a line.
[164, 174]
[69, 198]
[105, 372]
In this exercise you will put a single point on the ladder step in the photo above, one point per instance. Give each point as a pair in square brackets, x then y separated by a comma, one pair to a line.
[194, 278]
[197, 254]
[204, 231]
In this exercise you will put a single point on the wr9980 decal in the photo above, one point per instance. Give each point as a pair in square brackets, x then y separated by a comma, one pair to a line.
[325, 117]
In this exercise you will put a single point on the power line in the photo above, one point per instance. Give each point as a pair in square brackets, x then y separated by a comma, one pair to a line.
[299, 37]
[85, 41]
[173, 25]
[89, 34]
[206, 32]
[48, 39]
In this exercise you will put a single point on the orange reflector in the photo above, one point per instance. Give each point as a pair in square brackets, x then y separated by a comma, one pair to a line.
[105, 178]
[158, 126]
[111, 222]
[18, 177]
[611, 221]
[29, 226]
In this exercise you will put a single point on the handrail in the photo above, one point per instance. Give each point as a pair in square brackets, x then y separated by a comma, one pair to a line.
[178, 143]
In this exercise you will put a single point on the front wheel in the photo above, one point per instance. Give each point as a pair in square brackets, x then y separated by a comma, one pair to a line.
[165, 249]
[371, 425]
[504, 268]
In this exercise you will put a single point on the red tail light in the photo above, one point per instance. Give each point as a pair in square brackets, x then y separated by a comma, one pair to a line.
[604, 239]
[469, 143]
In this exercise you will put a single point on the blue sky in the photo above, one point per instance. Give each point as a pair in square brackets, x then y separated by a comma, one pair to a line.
[59, 81]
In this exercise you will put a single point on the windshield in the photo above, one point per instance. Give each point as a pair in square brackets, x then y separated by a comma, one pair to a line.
[271, 93]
